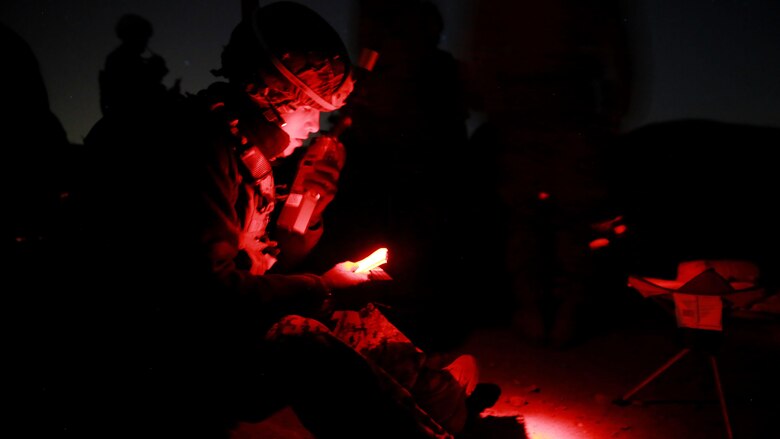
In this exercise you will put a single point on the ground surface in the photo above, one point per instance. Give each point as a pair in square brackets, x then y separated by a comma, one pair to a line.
[568, 393]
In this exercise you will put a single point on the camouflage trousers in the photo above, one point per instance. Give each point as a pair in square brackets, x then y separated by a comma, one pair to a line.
[435, 397]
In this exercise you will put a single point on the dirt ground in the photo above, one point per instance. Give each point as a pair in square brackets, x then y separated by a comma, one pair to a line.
[570, 393]
[567, 394]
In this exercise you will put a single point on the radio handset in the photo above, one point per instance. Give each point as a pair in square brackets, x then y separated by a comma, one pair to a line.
[301, 202]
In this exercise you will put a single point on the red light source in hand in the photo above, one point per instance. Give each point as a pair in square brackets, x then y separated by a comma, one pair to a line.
[374, 260]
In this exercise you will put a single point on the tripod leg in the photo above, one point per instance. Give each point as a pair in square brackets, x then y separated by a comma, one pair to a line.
[654, 375]
[721, 397]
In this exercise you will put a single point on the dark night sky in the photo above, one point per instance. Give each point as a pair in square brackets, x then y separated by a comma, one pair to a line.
[714, 59]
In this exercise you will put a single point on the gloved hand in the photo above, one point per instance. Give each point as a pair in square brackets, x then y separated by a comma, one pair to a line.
[353, 290]
[343, 275]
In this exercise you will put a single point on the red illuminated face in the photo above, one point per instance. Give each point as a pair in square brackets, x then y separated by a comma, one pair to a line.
[299, 124]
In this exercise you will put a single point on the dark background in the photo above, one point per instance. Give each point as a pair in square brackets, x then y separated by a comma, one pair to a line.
[694, 84]
[711, 59]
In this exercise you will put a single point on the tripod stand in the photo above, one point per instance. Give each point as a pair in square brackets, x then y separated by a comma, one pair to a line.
[697, 302]
[711, 356]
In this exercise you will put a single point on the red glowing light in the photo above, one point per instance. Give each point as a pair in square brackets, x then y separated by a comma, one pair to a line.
[598, 243]
[375, 259]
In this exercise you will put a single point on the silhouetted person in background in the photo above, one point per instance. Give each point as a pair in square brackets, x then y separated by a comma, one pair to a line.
[36, 159]
[133, 74]
[190, 315]
[554, 78]
[34, 146]
[408, 173]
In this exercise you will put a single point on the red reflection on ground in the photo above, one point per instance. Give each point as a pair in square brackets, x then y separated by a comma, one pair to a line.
[541, 426]
[544, 426]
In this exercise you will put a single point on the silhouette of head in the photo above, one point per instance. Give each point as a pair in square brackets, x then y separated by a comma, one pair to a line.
[133, 29]
[288, 56]
[433, 23]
